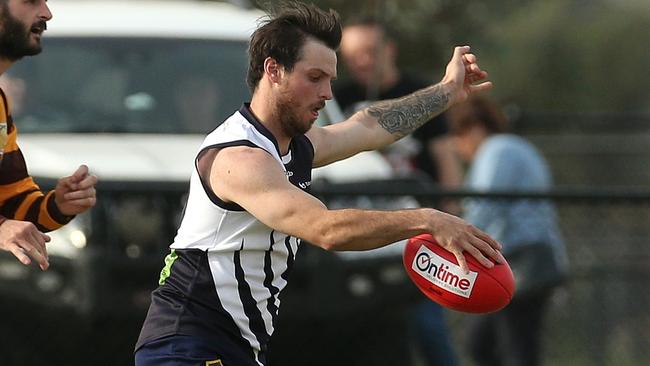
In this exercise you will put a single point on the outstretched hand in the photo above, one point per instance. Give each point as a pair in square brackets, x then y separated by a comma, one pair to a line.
[76, 193]
[25, 241]
[465, 75]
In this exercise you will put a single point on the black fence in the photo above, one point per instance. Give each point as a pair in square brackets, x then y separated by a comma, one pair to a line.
[351, 308]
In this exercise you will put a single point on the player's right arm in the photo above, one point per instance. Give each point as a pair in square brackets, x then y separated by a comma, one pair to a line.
[251, 178]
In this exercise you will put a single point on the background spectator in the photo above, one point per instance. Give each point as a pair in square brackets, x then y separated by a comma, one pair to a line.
[369, 53]
[527, 229]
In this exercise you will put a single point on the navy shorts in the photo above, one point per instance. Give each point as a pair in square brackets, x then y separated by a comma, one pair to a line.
[180, 350]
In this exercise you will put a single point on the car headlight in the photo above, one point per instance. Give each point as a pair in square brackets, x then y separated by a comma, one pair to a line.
[138, 220]
[141, 225]
[70, 240]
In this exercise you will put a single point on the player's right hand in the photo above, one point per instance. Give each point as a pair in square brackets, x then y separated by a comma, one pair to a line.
[25, 241]
[76, 193]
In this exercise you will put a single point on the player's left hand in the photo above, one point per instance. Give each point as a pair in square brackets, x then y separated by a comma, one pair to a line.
[465, 75]
[76, 193]
[458, 236]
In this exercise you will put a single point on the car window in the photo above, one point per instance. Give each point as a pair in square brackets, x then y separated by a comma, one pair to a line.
[129, 85]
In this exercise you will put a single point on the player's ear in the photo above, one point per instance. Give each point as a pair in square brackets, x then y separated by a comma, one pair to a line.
[272, 69]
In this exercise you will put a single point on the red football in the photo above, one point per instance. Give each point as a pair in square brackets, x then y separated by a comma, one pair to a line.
[435, 271]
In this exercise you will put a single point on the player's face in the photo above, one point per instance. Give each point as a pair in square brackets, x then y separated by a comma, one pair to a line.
[22, 23]
[304, 90]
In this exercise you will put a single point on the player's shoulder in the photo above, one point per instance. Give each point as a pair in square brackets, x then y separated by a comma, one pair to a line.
[244, 168]
[316, 134]
[244, 155]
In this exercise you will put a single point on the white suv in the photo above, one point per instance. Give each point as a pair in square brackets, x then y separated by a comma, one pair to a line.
[130, 88]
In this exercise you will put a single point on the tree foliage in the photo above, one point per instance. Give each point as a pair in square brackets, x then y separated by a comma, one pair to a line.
[564, 55]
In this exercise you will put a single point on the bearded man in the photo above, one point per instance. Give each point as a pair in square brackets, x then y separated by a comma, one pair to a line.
[27, 212]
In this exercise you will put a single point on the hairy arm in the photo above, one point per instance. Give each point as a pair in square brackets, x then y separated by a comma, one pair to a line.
[254, 180]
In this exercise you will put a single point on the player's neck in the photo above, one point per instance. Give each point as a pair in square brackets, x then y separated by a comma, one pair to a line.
[263, 109]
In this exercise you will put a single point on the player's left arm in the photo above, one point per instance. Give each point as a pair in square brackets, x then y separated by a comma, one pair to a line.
[387, 121]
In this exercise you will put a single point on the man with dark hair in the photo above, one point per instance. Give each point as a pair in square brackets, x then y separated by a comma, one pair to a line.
[249, 205]
[25, 211]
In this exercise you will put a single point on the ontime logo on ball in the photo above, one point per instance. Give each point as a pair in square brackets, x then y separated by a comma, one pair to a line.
[443, 273]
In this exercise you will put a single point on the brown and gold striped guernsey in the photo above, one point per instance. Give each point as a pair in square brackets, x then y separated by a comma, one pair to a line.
[20, 197]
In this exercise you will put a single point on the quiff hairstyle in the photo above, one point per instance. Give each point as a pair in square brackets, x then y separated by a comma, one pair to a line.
[283, 35]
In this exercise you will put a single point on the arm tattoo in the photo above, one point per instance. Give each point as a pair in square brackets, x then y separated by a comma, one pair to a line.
[404, 115]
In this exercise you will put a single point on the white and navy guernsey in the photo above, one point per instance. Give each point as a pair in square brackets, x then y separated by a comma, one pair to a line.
[223, 279]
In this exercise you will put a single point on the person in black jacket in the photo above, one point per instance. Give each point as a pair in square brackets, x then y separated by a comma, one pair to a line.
[369, 51]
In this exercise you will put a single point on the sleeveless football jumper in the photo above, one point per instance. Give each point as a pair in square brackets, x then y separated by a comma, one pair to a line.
[224, 276]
